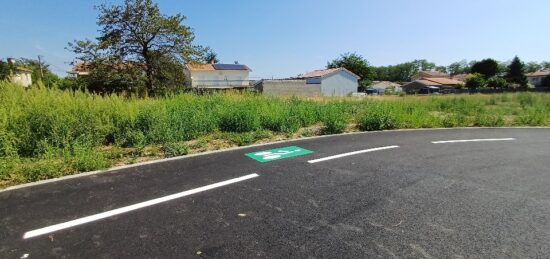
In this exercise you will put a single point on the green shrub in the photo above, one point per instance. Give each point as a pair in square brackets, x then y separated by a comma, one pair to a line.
[334, 120]
[377, 119]
[175, 149]
[239, 119]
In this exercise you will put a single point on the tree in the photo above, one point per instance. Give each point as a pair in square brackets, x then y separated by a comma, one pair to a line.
[40, 71]
[211, 57]
[487, 67]
[532, 67]
[516, 73]
[357, 65]
[5, 70]
[405, 71]
[497, 82]
[137, 36]
[460, 67]
[475, 81]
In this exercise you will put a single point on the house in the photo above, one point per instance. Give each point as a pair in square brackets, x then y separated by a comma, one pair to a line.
[323, 82]
[22, 76]
[332, 81]
[430, 74]
[380, 87]
[461, 77]
[429, 85]
[537, 77]
[80, 69]
[217, 76]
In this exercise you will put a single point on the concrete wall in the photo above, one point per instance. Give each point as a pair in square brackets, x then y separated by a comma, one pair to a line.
[216, 78]
[341, 83]
[289, 88]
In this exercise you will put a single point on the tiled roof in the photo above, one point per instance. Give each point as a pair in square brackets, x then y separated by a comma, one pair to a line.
[434, 74]
[199, 67]
[384, 84]
[324, 72]
[443, 81]
[426, 82]
[545, 72]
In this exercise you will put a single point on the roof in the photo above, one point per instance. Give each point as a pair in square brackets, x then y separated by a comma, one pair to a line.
[426, 82]
[325, 72]
[22, 69]
[214, 67]
[544, 72]
[461, 77]
[443, 81]
[434, 73]
[384, 84]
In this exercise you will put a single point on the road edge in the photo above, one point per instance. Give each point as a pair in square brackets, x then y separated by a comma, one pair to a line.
[112, 169]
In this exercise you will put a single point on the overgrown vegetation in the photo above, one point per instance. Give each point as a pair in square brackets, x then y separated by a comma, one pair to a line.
[47, 133]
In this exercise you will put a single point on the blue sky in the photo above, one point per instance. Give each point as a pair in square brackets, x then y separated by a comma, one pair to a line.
[287, 37]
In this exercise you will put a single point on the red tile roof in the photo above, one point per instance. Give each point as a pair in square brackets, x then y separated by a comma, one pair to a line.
[443, 81]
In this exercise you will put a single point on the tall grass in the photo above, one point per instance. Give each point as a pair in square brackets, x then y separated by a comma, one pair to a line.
[46, 133]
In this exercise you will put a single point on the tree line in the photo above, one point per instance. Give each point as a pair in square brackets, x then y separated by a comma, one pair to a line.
[485, 73]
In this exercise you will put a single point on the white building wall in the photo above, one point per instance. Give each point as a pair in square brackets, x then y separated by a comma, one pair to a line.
[340, 83]
[22, 78]
[215, 78]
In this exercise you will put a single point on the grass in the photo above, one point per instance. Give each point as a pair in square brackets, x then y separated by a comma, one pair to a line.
[46, 133]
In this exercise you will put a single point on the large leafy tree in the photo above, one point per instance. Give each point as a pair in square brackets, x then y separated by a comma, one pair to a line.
[356, 64]
[134, 37]
[460, 67]
[487, 67]
[515, 73]
[532, 67]
[405, 71]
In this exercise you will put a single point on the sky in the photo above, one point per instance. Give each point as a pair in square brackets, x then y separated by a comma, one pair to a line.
[282, 38]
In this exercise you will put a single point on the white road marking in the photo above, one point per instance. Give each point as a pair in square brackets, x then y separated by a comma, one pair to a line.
[80, 221]
[350, 154]
[471, 140]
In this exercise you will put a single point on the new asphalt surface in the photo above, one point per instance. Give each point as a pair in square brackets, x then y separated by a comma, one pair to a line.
[488, 199]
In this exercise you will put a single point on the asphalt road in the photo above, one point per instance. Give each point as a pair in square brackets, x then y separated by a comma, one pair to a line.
[482, 198]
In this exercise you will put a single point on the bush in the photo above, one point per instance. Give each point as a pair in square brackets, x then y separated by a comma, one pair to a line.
[239, 119]
[175, 149]
[334, 120]
[377, 119]
[497, 82]
[475, 81]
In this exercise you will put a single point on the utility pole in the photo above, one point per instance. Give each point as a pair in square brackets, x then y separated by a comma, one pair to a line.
[40, 66]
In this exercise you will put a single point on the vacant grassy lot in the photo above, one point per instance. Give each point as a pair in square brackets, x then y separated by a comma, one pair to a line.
[47, 133]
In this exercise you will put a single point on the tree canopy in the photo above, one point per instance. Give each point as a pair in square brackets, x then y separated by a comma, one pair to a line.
[136, 38]
[516, 73]
[356, 64]
[405, 71]
[487, 67]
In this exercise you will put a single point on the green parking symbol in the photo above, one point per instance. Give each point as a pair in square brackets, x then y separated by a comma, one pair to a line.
[278, 153]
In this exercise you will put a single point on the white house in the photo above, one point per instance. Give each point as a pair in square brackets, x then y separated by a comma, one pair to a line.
[217, 76]
[333, 81]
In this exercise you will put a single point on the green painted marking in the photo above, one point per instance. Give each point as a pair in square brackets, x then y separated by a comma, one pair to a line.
[278, 153]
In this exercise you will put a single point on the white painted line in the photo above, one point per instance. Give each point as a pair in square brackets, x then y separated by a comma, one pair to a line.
[350, 154]
[471, 140]
[80, 221]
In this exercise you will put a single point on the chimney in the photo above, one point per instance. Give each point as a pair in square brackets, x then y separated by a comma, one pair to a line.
[212, 61]
[236, 62]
